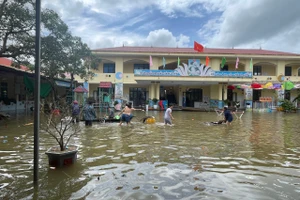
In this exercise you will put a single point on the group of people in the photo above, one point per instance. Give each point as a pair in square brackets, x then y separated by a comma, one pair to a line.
[89, 114]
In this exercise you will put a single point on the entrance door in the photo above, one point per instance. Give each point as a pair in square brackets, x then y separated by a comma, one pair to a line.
[138, 96]
[193, 95]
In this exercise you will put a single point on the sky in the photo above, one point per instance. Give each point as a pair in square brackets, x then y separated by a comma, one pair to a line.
[250, 24]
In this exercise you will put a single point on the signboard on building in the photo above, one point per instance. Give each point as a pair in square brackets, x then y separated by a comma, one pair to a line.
[105, 85]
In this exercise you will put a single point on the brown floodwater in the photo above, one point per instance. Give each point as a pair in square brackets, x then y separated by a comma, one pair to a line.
[257, 157]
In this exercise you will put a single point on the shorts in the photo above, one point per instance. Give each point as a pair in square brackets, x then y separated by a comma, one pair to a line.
[229, 119]
[168, 121]
[126, 118]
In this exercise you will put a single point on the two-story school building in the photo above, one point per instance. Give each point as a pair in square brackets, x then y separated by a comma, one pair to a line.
[195, 79]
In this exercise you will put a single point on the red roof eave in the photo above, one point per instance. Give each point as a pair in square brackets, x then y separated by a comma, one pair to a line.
[192, 51]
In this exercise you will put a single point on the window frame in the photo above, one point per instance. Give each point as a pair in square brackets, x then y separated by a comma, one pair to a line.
[141, 66]
[109, 68]
[258, 70]
[288, 69]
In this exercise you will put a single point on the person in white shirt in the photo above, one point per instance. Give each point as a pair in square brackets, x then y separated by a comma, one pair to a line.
[168, 115]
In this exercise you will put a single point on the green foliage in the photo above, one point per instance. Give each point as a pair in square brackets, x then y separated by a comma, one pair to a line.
[287, 105]
[60, 51]
[226, 102]
[17, 23]
[155, 100]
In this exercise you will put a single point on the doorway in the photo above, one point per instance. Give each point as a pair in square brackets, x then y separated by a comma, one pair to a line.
[192, 96]
[137, 96]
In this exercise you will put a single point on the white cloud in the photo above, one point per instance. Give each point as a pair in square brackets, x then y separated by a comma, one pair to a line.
[164, 38]
[228, 23]
[255, 24]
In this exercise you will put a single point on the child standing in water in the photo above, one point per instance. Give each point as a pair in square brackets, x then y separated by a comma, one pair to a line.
[168, 115]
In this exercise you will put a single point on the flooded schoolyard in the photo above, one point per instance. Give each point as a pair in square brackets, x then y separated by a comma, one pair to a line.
[257, 157]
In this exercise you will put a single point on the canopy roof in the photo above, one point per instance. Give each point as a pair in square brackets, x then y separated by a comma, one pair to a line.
[80, 89]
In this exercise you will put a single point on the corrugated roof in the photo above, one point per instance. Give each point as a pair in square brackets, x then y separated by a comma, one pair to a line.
[128, 49]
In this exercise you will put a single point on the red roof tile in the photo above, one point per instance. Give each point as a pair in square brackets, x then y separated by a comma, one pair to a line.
[191, 51]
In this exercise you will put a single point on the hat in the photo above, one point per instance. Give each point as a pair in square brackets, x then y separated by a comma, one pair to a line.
[75, 102]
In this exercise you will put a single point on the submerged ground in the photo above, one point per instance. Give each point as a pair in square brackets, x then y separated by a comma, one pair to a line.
[256, 157]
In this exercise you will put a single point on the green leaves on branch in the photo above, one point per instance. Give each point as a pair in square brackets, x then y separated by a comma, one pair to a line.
[61, 52]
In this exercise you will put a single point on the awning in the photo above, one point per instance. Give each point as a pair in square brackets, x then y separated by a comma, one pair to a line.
[80, 89]
[288, 85]
[105, 85]
[256, 86]
[63, 83]
[230, 87]
[45, 88]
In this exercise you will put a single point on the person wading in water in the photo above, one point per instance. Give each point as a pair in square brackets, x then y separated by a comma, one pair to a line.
[127, 114]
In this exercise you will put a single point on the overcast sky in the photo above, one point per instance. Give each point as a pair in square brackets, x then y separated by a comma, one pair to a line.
[266, 24]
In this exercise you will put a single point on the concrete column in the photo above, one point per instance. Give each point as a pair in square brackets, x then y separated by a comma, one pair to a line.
[119, 65]
[151, 91]
[118, 79]
[280, 67]
[156, 62]
[215, 63]
[157, 90]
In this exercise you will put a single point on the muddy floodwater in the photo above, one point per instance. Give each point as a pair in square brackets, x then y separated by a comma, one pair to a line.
[257, 157]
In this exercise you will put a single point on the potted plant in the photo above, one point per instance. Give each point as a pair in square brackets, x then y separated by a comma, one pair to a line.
[62, 128]
[226, 102]
[155, 100]
[147, 105]
[287, 106]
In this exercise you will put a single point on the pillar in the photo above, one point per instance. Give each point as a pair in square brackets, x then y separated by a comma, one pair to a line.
[157, 90]
[280, 68]
[218, 93]
[215, 64]
[119, 87]
[151, 91]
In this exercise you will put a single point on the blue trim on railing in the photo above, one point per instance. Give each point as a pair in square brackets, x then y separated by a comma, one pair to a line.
[229, 74]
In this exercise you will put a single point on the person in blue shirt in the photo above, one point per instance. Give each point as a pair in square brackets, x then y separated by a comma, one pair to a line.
[89, 114]
[227, 115]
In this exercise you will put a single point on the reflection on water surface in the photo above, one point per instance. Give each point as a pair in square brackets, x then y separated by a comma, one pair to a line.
[256, 157]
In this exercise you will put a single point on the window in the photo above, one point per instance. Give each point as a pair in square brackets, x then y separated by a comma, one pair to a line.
[3, 90]
[225, 68]
[256, 70]
[288, 71]
[109, 68]
[141, 66]
[298, 71]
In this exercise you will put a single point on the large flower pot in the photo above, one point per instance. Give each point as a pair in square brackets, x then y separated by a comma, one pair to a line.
[155, 107]
[59, 158]
[147, 107]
